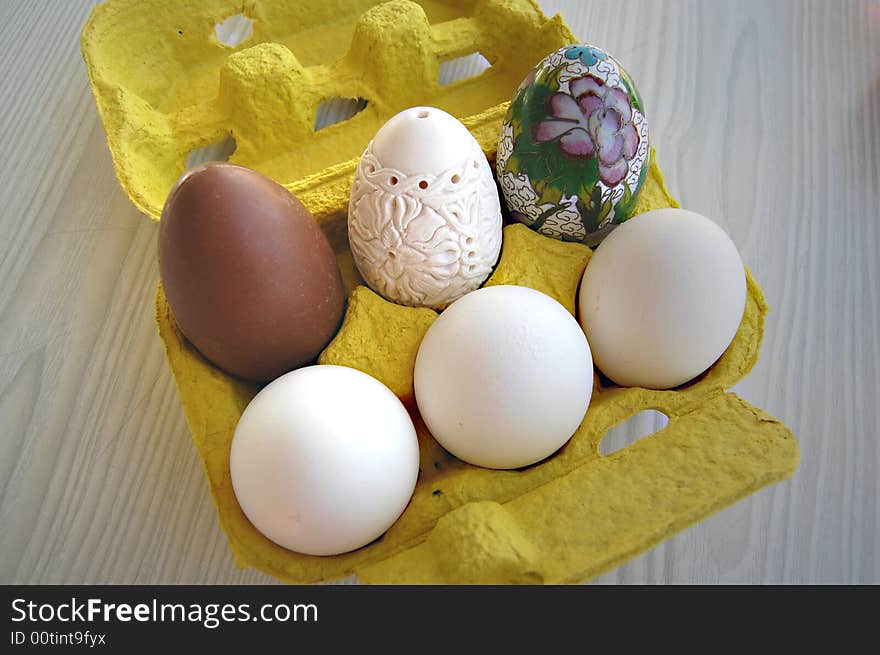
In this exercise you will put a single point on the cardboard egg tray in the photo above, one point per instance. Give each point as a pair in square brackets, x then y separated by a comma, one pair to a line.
[164, 85]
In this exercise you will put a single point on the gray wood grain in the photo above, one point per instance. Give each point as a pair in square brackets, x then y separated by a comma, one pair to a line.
[766, 117]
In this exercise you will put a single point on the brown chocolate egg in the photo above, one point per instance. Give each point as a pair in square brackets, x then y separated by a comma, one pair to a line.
[249, 276]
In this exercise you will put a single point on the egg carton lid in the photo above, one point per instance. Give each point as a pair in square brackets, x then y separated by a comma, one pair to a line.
[165, 84]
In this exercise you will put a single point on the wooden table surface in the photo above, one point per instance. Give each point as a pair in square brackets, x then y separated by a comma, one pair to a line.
[766, 117]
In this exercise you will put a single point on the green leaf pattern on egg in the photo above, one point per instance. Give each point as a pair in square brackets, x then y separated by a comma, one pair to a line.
[573, 152]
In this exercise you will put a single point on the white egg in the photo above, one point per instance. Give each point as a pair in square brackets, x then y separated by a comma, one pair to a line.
[662, 298]
[503, 377]
[324, 459]
[424, 217]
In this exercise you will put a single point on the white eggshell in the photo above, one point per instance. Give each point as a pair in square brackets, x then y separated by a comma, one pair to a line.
[503, 377]
[424, 218]
[662, 298]
[324, 459]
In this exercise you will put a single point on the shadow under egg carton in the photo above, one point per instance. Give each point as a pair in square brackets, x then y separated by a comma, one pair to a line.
[165, 86]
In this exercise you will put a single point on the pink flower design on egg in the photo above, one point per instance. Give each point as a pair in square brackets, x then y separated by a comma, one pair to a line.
[593, 120]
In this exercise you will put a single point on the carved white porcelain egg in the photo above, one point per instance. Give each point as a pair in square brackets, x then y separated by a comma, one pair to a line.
[424, 218]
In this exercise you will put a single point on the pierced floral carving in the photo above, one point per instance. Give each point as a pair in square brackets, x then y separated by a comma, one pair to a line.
[424, 240]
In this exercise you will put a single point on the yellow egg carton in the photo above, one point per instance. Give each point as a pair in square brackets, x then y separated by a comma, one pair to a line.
[165, 85]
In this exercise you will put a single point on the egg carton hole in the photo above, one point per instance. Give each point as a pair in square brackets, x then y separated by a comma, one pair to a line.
[636, 427]
[219, 151]
[235, 30]
[462, 68]
[338, 110]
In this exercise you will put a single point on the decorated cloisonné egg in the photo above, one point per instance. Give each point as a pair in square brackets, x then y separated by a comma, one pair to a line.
[573, 152]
